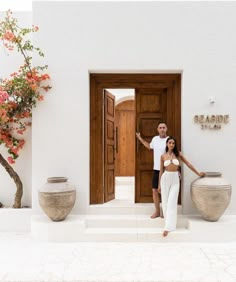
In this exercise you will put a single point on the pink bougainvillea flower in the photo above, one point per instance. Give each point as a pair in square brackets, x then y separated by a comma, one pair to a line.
[3, 96]
[23, 89]
[10, 160]
[8, 35]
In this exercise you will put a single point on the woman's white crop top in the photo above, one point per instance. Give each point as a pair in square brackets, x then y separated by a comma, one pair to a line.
[168, 162]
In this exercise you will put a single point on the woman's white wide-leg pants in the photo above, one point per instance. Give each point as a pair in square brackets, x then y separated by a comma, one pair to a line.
[169, 198]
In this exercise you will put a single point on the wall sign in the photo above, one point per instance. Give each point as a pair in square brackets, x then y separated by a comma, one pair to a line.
[211, 121]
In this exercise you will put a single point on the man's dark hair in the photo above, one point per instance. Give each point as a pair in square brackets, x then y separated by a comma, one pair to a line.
[161, 122]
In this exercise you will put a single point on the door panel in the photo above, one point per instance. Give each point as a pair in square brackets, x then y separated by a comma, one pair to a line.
[151, 107]
[125, 129]
[109, 146]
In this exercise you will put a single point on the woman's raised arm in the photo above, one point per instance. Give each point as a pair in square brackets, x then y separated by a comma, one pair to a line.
[201, 174]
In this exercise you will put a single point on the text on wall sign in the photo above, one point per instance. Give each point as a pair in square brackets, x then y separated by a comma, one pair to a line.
[211, 121]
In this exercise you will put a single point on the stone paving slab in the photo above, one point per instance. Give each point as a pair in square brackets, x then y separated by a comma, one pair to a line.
[24, 259]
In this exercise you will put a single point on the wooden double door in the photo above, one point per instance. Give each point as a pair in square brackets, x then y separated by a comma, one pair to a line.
[157, 98]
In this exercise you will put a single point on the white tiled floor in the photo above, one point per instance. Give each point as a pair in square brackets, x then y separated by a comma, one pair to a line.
[24, 259]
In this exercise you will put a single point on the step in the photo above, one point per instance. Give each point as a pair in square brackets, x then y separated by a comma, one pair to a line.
[134, 235]
[130, 228]
[103, 228]
[129, 221]
[130, 181]
[124, 208]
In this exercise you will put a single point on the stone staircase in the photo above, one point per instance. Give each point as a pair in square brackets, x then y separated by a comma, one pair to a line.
[110, 224]
[130, 223]
[126, 228]
[127, 223]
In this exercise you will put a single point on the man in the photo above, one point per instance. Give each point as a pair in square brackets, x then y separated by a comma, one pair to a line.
[158, 145]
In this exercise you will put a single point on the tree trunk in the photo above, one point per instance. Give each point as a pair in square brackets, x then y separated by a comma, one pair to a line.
[16, 178]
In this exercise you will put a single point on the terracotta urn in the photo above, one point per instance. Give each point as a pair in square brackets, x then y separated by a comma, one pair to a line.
[57, 198]
[211, 195]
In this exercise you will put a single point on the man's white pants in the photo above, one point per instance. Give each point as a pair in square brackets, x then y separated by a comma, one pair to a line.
[169, 198]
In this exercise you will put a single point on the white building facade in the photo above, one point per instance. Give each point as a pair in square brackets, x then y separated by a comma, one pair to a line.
[195, 39]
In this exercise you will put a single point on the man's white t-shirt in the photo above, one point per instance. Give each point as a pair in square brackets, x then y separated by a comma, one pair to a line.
[158, 145]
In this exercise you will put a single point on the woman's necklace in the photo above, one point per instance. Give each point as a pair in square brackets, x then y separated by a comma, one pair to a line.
[171, 157]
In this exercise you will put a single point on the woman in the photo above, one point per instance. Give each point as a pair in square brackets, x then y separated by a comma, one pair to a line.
[169, 183]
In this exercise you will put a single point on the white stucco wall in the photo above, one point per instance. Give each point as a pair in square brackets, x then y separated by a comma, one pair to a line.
[9, 63]
[196, 39]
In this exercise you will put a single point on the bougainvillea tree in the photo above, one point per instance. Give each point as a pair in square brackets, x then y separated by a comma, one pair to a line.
[19, 93]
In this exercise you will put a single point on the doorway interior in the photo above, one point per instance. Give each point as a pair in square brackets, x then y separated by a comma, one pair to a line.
[157, 98]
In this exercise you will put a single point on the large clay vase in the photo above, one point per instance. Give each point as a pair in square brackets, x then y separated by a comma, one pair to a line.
[211, 195]
[57, 198]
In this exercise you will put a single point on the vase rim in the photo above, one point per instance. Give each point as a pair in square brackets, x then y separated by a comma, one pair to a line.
[56, 179]
[213, 173]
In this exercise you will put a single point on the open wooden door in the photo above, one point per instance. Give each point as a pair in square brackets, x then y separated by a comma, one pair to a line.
[151, 107]
[158, 97]
[109, 146]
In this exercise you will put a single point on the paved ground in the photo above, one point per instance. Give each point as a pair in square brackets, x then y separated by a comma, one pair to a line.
[24, 259]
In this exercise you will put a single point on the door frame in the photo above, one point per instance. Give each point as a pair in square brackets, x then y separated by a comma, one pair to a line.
[101, 81]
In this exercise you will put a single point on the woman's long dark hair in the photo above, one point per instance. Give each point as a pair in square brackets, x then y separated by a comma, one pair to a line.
[175, 150]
